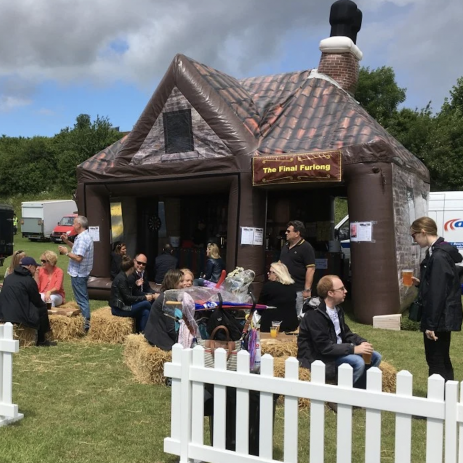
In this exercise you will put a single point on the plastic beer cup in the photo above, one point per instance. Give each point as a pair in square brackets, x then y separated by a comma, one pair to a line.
[273, 331]
[407, 277]
[367, 358]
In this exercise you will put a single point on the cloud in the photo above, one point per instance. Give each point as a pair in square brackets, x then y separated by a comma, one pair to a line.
[9, 103]
[93, 41]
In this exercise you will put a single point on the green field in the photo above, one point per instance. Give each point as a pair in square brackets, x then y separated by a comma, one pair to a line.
[81, 404]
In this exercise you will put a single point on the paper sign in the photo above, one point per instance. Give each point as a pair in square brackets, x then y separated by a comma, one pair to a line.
[361, 231]
[94, 233]
[252, 236]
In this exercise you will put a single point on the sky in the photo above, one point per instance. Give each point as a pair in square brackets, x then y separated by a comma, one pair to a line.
[62, 58]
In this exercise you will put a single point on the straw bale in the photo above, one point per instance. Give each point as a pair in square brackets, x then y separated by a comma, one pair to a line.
[69, 305]
[66, 328]
[389, 377]
[105, 327]
[26, 336]
[145, 361]
[278, 349]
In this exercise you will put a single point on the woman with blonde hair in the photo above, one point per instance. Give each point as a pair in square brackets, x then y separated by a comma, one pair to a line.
[439, 291]
[214, 264]
[188, 277]
[279, 291]
[15, 259]
[50, 279]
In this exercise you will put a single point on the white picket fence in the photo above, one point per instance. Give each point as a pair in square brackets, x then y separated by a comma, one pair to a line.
[444, 417]
[8, 347]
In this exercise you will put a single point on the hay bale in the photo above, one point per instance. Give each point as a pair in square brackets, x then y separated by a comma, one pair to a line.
[389, 377]
[26, 336]
[105, 327]
[278, 349]
[66, 328]
[145, 361]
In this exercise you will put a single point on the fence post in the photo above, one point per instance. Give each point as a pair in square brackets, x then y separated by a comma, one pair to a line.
[185, 406]
[451, 401]
[317, 416]
[291, 414]
[373, 419]
[435, 427]
[242, 406]
[266, 411]
[344, 438]
[8, 347]
[403, 423]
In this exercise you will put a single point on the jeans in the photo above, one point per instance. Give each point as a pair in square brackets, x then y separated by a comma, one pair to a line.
[140, 311]
[79, 288]
[438, 356]
[358, 365]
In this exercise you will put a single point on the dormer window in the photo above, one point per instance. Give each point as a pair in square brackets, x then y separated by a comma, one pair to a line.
[178, 131]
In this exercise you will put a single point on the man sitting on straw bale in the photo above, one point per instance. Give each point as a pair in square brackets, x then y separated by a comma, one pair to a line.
[324, 335]
[20, 301]
[139, 278]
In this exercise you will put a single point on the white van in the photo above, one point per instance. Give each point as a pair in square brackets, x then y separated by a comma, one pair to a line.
[445, 207]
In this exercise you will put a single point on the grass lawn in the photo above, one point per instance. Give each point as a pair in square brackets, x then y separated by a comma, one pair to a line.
[81, 404]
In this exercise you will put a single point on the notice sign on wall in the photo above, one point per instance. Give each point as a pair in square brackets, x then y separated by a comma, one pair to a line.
[322, 166]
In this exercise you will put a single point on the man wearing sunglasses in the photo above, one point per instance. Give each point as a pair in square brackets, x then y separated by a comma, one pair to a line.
[139, 279]
[324, 335]
[298, 255]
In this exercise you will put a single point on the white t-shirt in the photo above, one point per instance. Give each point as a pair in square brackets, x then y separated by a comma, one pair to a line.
[333, 313]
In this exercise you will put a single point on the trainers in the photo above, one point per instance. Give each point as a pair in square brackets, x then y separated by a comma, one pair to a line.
[47, 344]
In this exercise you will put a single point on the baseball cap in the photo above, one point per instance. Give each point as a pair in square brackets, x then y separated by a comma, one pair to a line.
[25, 261]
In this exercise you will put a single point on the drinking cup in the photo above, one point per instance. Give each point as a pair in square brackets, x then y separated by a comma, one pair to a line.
[407, 277]
[274, 331]
[367, 358]
[48, 305]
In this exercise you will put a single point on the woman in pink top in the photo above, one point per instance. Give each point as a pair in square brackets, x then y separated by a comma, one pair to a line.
[50, 279]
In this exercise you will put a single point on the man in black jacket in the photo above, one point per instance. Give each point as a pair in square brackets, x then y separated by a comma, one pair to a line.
[139, 278]
[163, 263]
[324, 335]
[20, 301]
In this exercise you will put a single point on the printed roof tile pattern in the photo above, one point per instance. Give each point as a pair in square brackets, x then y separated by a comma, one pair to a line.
[293, 112]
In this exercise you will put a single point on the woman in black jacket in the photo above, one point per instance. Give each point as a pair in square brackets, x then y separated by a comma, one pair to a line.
[279, 291]
[440, 293]
[122, 301]
[160, 329]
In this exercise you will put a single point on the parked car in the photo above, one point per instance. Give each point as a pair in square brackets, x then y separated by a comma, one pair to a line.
[64, 227]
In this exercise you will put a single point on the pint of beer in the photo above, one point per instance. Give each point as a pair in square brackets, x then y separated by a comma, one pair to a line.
[367, 358]
[407, 277]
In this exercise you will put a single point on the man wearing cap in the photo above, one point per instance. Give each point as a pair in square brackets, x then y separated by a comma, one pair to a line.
[20, 301]
[80, 264]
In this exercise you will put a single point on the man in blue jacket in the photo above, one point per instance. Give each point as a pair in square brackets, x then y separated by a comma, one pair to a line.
[324, 335]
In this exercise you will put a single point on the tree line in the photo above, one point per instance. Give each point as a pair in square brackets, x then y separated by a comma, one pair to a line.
[37, 164]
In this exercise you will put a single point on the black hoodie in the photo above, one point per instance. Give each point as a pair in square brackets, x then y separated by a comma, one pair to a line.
[20, 299]
[440, 289]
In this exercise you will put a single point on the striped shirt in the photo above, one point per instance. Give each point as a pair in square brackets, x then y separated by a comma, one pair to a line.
[83, 246]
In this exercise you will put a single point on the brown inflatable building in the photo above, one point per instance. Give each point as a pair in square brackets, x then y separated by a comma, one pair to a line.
[243, 157]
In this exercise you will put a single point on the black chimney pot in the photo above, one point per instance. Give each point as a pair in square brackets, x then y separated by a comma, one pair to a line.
[345, 19]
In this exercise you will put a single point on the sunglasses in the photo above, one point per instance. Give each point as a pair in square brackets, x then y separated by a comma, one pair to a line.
[43, 261]
[18, 252]
[141, 263]
[288, 231]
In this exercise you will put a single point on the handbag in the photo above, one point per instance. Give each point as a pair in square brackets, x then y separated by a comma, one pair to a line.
[211, 344]
[416, 310]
